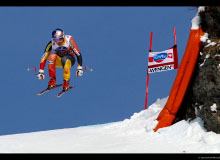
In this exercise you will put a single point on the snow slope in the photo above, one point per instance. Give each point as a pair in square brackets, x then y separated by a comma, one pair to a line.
[134, 135]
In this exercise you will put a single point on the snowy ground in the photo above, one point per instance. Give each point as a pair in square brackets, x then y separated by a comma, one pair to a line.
[134, 135]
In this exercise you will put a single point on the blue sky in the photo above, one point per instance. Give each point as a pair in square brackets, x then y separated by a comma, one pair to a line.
[114, 41]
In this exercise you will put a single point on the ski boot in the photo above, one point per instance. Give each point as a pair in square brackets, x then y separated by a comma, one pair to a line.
[52, 83]
[65, 85]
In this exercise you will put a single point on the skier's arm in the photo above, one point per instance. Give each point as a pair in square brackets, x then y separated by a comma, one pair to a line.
[79, 59]
[79, 71]
[47, 52]
[76, 51]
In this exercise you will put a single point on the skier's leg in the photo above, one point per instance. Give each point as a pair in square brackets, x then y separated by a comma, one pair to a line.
[53, 61]
[68, 62]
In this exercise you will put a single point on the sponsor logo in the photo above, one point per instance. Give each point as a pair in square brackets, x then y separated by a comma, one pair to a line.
[62, 48]
[48, 47]
[44, 55]
[50, 62]
[75, 50]
[160, 68]
[160, 57]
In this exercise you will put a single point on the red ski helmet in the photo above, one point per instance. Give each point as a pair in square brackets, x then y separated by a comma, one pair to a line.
[58, 35]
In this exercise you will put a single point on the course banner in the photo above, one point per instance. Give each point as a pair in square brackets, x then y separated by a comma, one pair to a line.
[161, 68]
[162, 61]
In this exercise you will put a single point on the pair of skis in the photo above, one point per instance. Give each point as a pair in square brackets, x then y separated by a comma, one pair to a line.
[59, 94]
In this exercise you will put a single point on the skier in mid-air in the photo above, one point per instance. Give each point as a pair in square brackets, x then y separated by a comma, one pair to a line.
[64, 57]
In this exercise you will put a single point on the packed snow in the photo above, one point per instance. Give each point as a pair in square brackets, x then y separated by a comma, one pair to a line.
[196, 19]
[204, 38]
[214, 107]
[133, 135]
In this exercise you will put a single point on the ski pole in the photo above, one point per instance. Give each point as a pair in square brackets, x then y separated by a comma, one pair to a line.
[31, 68]
[35, 70]
[90, 69]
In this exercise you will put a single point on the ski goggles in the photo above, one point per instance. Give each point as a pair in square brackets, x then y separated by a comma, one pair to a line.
[58, 39]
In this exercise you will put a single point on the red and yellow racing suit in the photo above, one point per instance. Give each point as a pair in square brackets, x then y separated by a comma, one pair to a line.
[64, 57]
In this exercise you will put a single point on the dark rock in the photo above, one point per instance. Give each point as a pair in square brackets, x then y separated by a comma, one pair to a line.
[204, 89]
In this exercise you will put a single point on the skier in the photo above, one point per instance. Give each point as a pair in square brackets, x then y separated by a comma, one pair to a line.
[64, 57]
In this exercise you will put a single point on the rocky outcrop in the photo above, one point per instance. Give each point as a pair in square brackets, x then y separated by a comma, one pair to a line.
[203, 95]
[206, 86]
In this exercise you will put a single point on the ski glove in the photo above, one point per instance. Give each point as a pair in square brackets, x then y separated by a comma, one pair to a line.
[79, 71]
[40, 74]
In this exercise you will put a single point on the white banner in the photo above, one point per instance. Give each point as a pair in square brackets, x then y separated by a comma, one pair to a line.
[161, 68]
[161, 61]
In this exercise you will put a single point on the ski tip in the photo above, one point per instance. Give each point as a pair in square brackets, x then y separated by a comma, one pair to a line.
[47, 89]
[63, 92]
[39, 94]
